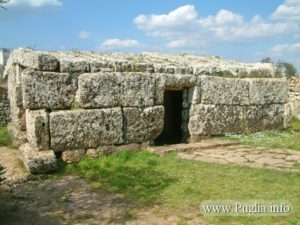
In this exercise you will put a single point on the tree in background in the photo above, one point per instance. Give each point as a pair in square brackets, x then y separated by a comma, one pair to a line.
[286, 69]
[266, 60]
[3, 2]
[283, 69]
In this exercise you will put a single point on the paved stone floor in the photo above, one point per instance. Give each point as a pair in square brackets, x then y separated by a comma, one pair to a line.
[249, 156]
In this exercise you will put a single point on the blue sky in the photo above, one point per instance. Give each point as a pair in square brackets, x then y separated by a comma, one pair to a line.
[233, 29]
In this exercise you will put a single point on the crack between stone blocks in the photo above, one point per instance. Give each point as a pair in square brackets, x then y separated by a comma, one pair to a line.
[48, 130]
[124, 125]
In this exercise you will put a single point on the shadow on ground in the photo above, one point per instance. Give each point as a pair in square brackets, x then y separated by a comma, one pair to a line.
[67, 200]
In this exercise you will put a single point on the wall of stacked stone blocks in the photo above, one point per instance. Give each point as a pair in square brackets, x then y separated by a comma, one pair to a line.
[4, 106]
[73, 102]
[294, 96]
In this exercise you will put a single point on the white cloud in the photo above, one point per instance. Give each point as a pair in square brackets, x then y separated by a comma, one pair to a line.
[117, 43]
[33, 3]
[289, 10]
[178, 17]
[84, 34]
[283, 49]
[225, 26]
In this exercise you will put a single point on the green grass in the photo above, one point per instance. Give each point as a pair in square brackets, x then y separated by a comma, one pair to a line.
[283, 138]
[5, 139]
[180, 185]
[295, 125]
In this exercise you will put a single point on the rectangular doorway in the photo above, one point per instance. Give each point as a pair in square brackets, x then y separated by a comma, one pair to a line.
[172, 131]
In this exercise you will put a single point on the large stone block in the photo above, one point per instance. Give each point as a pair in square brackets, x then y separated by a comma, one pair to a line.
[73, 156]
[48, 90]
[27, 58]
[263, 117]
[84, 129]
[38, 161]
[160, 88]
[17, 115]
[268, 91]
[137, 90]
[74, 65]
[14, 85]
[208, 120]
[37, 127]
[295, 104]
[288, 114]
[98, 90]
[143, 124]
[222, 91]
[179, 81]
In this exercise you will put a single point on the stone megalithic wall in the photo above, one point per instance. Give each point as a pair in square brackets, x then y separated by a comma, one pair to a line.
[4, 106]
[70, 103]
[226, 105]
[294, 96]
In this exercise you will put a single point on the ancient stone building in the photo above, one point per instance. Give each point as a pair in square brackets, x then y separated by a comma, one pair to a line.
[73, 102]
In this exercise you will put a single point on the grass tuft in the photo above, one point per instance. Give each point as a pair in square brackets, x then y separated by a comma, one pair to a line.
[5, 139]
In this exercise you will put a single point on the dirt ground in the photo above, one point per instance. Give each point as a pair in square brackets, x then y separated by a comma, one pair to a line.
[70, 200]
[30, 200]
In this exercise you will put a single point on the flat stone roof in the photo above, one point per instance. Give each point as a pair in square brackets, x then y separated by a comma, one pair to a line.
[77, 61]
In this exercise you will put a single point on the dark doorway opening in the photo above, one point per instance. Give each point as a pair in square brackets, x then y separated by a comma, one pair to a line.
[172, 131]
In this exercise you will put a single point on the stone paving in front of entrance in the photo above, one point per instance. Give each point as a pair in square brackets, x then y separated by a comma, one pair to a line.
[230, 152]
[249, 156]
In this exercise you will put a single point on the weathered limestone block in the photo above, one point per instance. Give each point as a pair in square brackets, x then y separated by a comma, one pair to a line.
[222, 91]
[14, 85]
[208, 120]
[73, 156]
[4, 106]
[101, 151]
[263, 117]
[17, 95]
[172, 82]
[179, 81]
[143, 124]
[48, 90]
[84, 129]
[99, 66]
[288, 114]
[33, 59]
[92, 153]
[37, 127]
[160, 84]
[19, 137]
[17, 113]
[268, 91]
[295, 104]
[137, 90]
[98, 90]
[128, 147]
[1, 72]
[73, 65]
[38, 161]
